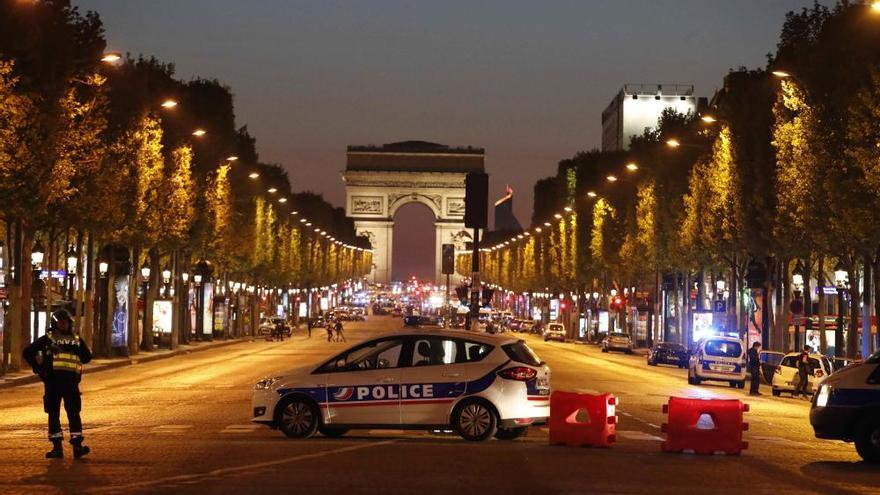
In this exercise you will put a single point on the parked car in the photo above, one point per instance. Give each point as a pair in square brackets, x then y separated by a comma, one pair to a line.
[668, 353]
[555, 331]
[769, 363]
[515, 325]
[719, 359]
[319, 322]
[618, 341]
[785, 378]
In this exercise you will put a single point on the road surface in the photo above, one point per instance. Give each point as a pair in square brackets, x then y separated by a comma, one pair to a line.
[182, 425]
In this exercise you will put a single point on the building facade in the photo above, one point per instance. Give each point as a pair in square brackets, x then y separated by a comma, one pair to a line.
[638, 107]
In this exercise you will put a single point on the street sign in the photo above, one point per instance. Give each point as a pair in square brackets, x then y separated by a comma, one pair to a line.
[720, 306]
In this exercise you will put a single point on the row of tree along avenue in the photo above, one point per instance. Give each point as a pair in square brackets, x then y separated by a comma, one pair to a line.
[133, 199]
[758, 216]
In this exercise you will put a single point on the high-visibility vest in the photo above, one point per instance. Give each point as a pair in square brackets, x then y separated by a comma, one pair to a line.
[66, 360]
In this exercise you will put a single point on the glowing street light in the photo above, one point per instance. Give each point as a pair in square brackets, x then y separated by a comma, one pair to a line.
[169, 104]
[632, 167]
[232, 158]
[708, 119]
[673, 143]
[272, 190]
[111, 58]
[199, 132]
[875, 6]
[591, 194]
[253, 175]
[781, 74]
[282, 200]
[612, 178]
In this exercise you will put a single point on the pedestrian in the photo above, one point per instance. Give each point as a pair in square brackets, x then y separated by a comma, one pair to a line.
[804, 370]
[329, 325]
[754, 368]
[58, 357]
[309, 325]
[340, 334]
[279, 329]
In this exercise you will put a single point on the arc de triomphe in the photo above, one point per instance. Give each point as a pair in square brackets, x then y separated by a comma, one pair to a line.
[381, 179]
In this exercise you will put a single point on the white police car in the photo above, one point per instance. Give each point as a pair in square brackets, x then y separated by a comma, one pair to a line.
[720, 359]
[847, 407]
[480, 385]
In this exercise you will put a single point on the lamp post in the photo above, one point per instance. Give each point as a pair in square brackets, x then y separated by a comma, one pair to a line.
[72, 262]
[37, 254]
[147, 337]
[201, 276]
[186, 319]
[797, 306]
[166, 280]
[841, 281]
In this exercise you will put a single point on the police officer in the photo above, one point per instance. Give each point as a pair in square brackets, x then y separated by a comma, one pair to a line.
[804, 371]
[754, 367]
[58, 357]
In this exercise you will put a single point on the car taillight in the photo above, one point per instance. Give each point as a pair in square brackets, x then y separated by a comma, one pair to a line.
[518, 373]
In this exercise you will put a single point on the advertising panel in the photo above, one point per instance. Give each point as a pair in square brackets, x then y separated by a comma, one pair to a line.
[702, 325]
[603, 321]
[207, 308]
[119, 337]
[162, 316]
[219, 316]
[756, 307]
[554, 309]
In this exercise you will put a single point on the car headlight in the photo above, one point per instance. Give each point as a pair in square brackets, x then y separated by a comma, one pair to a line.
[823, 396]
[266, 383]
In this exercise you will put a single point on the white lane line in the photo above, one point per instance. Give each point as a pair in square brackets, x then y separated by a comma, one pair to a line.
[652, 425]
[385, 432]
[628, 415]
[190, 478]
[240, 428]
[170, 428]
[637, 435]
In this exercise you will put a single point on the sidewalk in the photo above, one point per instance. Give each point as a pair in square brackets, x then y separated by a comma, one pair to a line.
[16, 378]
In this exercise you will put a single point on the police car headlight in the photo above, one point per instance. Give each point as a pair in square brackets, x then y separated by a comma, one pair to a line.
[823, 395]
[266, 383]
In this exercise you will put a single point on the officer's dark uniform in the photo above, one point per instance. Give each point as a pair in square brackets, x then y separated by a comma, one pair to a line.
[62, 354]
[754, 367]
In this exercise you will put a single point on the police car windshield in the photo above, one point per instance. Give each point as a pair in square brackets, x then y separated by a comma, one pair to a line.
[723, 348]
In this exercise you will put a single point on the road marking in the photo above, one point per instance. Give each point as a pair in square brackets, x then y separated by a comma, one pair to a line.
[197, 477]
[170, 428]
[637, 435]
[240, 428]
[385, 432]
[652, 425]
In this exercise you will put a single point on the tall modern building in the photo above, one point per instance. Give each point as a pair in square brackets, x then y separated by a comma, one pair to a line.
[505, 220]
[638, 107]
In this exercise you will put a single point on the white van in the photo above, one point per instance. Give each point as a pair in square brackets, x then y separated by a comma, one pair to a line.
[719, 359]
[847, 407]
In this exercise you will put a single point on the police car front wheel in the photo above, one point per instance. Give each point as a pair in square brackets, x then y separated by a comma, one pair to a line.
[867, 439]
[475, 420]
[298, 418]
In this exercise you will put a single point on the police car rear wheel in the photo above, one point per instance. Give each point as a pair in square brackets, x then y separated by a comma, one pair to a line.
[298, 419]
[867, 439]
[475, 421]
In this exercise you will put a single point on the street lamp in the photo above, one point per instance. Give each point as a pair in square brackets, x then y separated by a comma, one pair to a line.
[673, 143]
[37, 254]
[166, 280]
[632, 166]
[169, 104]
[72, 259]
[841, 282]
[103, 267]
[797, 306]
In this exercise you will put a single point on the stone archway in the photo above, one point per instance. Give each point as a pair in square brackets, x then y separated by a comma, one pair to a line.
[381, 179]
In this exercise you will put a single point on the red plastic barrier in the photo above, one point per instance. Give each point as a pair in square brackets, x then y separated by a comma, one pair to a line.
[579, 420]
[704, 426]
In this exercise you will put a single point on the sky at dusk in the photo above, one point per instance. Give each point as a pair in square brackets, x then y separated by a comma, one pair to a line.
[525, 80]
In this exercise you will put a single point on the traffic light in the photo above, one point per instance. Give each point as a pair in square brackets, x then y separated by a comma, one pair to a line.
[448, 259]
[476, 200]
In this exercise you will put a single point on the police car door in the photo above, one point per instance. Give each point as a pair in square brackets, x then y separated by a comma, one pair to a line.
[365, 387]
[432, 382]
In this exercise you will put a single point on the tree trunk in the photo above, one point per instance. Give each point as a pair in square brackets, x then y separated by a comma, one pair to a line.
[786, 307]
[867, 306]
[852, 334]
[820, 282]
[134, 319]
[687, 334]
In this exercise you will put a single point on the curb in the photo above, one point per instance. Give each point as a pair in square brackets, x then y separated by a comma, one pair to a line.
[146, 358]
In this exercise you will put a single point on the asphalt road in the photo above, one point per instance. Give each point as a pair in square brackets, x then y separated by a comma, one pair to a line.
[182, 425]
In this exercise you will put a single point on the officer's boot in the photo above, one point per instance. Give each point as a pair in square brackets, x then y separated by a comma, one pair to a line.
[57, 452]
[79, 449]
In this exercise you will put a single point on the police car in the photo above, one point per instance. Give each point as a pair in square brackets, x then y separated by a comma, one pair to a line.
[847, 407]
[479, 385]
